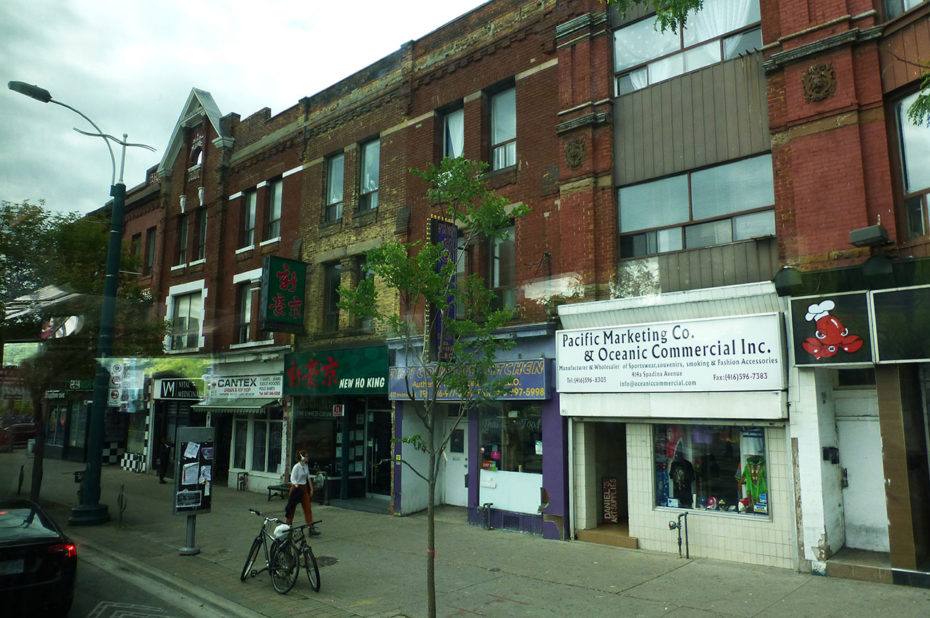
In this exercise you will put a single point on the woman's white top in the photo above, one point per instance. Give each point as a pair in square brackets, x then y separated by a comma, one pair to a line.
[300, 473]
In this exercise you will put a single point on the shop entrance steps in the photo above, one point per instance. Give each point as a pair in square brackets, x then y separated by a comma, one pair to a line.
[617, 535]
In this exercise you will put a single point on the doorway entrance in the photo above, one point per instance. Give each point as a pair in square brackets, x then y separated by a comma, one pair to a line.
[455, 473]
[378, 452]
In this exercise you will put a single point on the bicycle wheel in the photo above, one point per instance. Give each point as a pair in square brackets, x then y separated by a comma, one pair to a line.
[253, 555]
[284, 566]
[313, 572]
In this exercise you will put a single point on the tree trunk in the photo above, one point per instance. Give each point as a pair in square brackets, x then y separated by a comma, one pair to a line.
[431, 528]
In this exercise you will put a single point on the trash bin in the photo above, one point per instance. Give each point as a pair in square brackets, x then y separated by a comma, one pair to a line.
[30, 446]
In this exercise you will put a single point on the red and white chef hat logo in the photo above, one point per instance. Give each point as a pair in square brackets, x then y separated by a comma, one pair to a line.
[819, 310]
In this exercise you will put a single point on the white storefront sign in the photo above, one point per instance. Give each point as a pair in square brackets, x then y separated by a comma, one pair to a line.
[230, 387]
[741, 353]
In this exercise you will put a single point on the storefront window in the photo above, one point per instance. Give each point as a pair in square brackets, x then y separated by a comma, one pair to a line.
[135, 433]
[318, 437]
[711, 467]
[57, 418]
[241, 442]
[511, 437]
[78, 430]
[257, 444]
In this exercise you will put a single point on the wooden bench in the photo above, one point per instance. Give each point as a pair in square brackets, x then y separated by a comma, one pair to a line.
[279, 490]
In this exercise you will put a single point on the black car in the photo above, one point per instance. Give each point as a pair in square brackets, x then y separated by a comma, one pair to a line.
[37, 562]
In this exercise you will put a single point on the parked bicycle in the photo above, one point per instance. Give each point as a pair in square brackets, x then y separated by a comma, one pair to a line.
[298, 536]
[281, 555]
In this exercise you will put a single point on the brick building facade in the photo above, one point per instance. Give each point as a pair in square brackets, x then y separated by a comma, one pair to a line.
[719, 182]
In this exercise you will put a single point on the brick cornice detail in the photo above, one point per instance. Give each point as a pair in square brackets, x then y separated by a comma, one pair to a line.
[593, 119]
[779, 60]
[579, 27]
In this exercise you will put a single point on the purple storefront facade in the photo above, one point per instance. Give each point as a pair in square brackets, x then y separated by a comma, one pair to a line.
[506, 462]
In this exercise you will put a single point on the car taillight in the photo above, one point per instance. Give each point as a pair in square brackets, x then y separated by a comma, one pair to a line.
[67, 551]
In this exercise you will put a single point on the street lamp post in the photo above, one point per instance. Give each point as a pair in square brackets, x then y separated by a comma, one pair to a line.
[90, 511]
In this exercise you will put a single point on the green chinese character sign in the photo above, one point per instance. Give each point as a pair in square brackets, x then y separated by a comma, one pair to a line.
[283, 286]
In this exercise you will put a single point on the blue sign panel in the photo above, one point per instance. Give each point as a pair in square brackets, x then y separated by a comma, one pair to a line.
[526, 379]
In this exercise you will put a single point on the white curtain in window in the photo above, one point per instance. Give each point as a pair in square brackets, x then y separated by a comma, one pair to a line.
[718, 17]
[371, 162]
[334, 181]
[915, 147]
[454, 143]
[640, 42]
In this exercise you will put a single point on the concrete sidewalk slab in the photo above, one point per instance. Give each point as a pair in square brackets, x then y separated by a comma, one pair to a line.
[374, 565]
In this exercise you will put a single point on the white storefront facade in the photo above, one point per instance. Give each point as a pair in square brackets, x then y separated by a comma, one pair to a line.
[678, 413]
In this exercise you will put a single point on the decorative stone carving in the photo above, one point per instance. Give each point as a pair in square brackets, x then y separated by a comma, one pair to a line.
[575, 153]
[819, 81]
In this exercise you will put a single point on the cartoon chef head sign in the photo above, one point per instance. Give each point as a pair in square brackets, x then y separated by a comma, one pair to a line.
[830, 336]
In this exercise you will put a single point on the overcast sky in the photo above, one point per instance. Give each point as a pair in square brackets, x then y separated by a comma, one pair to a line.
[130, 65]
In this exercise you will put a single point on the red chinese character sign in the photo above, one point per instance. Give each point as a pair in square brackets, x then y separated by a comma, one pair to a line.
[351, 371]
[283, 286]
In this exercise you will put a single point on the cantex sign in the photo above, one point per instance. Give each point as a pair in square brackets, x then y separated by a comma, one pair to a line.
[228, 387]
[740, 353]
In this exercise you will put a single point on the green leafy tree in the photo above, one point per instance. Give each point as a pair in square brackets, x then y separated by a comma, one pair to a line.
[419, 282]
[670, 14]
[41, 248]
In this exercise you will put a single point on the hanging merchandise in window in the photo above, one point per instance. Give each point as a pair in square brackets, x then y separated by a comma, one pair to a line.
[511, 437]
[711, 467]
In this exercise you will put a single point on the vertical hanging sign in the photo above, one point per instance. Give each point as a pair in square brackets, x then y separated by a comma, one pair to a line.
[283, 293]
[443, 232]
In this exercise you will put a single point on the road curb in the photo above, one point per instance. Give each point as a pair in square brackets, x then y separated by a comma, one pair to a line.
[216, 605]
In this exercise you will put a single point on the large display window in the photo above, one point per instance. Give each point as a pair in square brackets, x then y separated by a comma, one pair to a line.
[711, 467]
[511, 437]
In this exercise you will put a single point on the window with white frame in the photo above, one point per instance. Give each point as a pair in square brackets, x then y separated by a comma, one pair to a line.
[453, 134]
[366, 324]
[504, 269]
[273, 211]
[914, 149]
[201, 247]
[721, 30]
[335, 183]
[333, 279]
[716, 205]
[249, 200]
[370, 175]
[504, 129]
[257, 443]
[187, 313]
[183, 224]
[244, 312]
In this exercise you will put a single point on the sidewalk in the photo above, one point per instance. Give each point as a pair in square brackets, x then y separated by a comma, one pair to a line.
[374, 565]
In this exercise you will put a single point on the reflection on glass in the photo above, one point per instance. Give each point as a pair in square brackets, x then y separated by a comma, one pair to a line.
[707, 234]
[734, 187]
[654, 204]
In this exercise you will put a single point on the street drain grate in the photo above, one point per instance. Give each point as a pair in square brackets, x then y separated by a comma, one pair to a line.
[323, 561]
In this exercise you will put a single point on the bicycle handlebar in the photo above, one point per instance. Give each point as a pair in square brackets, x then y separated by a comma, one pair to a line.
[267, 517]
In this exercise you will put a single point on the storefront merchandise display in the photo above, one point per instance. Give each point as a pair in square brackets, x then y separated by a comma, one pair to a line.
[694, 467]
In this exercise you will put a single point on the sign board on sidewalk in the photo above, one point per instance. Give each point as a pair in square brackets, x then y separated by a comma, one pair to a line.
[193, 477]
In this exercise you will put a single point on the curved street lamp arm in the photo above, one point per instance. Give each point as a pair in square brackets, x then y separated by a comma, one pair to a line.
[93, 124]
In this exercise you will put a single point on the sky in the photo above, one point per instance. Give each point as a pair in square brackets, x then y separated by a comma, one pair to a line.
[130, 65]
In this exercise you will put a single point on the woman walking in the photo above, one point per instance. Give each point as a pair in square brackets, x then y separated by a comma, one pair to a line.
[301, 489]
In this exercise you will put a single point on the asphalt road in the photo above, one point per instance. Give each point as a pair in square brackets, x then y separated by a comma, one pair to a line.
[105, 589]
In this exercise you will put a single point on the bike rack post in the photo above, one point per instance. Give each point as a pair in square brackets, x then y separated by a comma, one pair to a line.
[486, 514]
